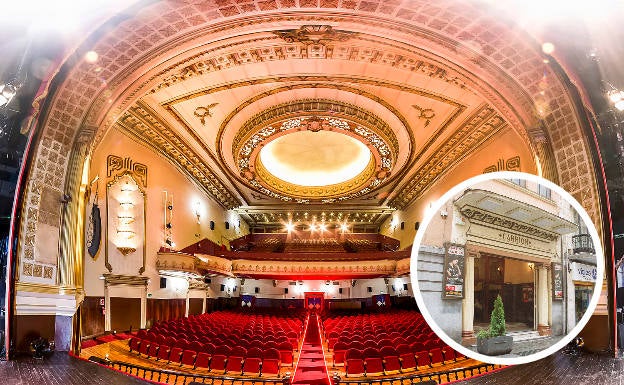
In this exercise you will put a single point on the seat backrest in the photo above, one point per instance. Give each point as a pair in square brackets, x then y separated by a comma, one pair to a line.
[254, 352]
[388, 351]
[371, 352]
[271, 353]
[223, 350]
[353, 354]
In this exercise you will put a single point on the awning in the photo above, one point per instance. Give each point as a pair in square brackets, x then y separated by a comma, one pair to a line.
[495, 210]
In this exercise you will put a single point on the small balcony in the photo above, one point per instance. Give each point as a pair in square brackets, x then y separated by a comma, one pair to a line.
[582, 243]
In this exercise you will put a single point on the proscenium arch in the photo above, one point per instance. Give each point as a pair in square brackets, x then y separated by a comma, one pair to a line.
[77, 111]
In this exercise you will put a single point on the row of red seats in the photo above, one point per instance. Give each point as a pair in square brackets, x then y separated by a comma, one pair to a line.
[341, 347]
[284, 347]
[232, 328]
[386, 361]
[223, 360]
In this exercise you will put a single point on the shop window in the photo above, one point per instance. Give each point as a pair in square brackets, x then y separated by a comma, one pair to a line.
[582, 296]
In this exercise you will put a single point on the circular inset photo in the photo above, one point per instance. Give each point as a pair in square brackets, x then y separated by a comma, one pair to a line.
[507, 268]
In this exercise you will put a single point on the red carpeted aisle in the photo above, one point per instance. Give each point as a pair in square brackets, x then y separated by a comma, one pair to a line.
[311, 369]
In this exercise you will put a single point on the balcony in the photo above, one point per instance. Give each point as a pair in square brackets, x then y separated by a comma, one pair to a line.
[582, 243]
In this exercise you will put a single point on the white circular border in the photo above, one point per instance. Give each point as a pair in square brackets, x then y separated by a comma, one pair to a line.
[435, 208]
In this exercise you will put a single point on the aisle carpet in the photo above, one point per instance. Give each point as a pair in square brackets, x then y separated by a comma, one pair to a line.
[311, 369]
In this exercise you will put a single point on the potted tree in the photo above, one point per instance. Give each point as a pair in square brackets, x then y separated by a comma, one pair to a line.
[493, 341]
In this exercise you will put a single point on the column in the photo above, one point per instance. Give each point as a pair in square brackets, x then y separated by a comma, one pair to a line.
[468, 337]
[107, 309]
[543, 327]
[188, 302]
[204, 302]
[144, 307]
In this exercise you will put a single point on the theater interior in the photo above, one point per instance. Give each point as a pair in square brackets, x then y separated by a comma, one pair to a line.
[228, 191]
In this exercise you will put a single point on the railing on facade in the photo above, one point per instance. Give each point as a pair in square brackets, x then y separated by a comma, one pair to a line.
[181, 378]
[582, 243]
[422, 378]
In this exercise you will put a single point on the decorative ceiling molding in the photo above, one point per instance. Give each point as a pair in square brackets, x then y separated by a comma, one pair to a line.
[250, 168]
[268, 50]
[141, 124]
[481, 126]
[314, 34]
[312, 106]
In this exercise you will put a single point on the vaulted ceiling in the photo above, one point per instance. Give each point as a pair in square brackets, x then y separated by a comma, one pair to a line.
[367, 103]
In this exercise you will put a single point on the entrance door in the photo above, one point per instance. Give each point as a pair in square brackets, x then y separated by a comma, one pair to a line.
[513, 280]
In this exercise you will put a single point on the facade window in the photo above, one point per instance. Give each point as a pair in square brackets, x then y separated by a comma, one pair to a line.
[543, 191]
[519, 182]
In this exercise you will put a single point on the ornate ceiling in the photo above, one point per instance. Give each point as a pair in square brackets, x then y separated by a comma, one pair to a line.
[417, 88]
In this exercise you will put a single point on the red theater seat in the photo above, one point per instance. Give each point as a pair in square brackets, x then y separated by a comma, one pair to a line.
[252, 366]
[176, 355]
[203, 360]
[188, 358]
[271, 362]
[144, 347]
[373, 362]
[391, 362]
[286, 353]
[134, 344]
[163, 353]
[153, 350]
[436, 356]
[408, 361]
[354, 364]
[422, 358]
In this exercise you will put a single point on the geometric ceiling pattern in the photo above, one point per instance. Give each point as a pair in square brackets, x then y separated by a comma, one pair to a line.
[422, 86]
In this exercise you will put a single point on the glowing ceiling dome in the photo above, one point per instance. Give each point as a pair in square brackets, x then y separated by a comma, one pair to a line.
[321, 158]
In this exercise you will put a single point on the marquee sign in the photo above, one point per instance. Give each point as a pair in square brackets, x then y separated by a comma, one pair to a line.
[453, 271]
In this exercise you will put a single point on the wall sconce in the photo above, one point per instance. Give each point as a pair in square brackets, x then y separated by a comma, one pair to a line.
[125, 220]
[168, 218]
[531, 266]
[443, 213]
[197, 211]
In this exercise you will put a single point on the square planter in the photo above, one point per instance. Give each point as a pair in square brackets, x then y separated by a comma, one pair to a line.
[495, 346]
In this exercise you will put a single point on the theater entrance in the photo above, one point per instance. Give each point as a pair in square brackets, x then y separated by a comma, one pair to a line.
[514, 280]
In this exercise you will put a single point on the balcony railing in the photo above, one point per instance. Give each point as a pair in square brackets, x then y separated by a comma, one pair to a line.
[582, 243]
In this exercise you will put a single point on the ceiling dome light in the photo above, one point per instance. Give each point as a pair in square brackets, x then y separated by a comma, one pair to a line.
[321, 158]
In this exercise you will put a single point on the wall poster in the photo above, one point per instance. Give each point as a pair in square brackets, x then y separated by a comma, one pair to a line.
[557, 281]
[453, 273]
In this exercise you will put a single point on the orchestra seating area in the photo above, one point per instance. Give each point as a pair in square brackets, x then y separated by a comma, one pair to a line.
[397, 341]
[225, 342]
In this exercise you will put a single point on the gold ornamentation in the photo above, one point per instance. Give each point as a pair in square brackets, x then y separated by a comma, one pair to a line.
[484, 123]
[37, 270]
[512, 164]
[314, 34]
[47, 272]
[477, 215]
[27, 269]
[252, 170]
[144, 126]
[346, 111]
[202, 112]
[118, 165]
[314, 192]
[424, 113]
[126, 250]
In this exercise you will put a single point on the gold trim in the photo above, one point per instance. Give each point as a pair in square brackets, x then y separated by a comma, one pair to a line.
[116, 178]
[315, 192]
[30, 287]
